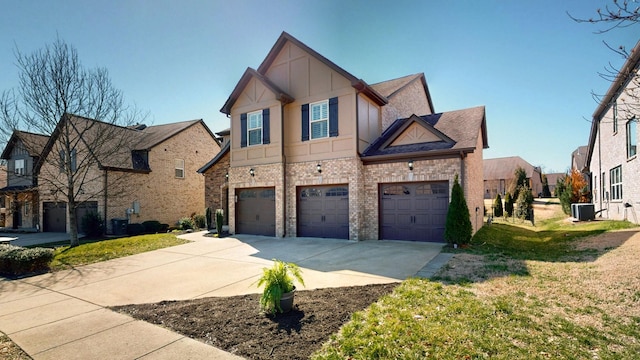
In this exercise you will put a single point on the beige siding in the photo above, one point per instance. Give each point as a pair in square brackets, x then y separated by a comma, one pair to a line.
[256, 97]
[369, 124]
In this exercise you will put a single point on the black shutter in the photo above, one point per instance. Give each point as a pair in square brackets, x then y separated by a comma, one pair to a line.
[266, 129]
[333, 116]
[305, 122]
[243, 130]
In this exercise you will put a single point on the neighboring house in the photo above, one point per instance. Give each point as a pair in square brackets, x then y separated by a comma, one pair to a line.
[152, 176]
[612, 160]
[19, 191]
[499, 176]
[552, 180]
[318, 152]
[579, 158]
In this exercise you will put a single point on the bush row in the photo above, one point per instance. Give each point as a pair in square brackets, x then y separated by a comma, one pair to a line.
[16, 260]
[147, 227]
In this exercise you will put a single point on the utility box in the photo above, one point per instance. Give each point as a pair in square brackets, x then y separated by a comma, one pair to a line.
[119, 226]
[583, 211]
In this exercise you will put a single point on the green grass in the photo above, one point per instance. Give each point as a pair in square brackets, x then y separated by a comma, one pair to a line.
[531, 308]
[89, 253]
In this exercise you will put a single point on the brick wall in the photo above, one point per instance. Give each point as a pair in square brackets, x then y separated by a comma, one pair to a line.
[423, 170]
[216, 186]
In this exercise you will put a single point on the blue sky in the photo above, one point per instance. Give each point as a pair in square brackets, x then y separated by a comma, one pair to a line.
[531, 66]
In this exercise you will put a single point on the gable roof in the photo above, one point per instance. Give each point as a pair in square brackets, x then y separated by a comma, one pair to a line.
[156, 134]
[505, 167]
[250, 73]
[579, 157]
[627, 73]
[359, 84]
[457, 130]
[34, 143]
[207, 166]
[391, 88]
[135, 138]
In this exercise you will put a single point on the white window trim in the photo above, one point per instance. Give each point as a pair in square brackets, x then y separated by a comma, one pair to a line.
[179, 165]
[615, 118]
[249, 128]
[629, 137]
[312, 121]
[19, 170]
[616, 185]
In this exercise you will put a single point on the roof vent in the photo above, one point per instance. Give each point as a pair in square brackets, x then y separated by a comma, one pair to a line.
[140, 126]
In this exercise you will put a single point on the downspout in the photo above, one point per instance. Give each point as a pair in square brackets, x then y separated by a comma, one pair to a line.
[105, 199]
[284, 172]
[600, 168]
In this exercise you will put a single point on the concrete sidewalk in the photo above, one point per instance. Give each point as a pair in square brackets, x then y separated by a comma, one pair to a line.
[63, 314]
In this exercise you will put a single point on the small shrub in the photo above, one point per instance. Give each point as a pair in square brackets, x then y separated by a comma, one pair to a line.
[152, 227]
[207, 215]
[458, 229]
[93, 225]
[219, 220]
[508, 205]
[135, 229]
[16, 260]
[497, 206]
[185, 223]
[200, 221]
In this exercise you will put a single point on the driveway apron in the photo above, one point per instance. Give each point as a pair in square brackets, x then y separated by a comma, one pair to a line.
[63, 314]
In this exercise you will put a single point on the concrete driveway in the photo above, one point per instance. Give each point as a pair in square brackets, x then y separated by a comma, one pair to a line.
[63, 314]
[32, 238]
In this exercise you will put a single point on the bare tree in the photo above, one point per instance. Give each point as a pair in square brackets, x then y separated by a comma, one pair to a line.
[85, 116]
[618, 15]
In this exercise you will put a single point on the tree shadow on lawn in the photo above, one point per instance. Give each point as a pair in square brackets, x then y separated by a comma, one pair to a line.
[502, 250]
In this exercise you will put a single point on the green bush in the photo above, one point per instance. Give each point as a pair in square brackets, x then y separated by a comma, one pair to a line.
[458, 227]
[508, 205]
[200, 221]
[135, 229]
[16, 260]
[186, 223]
[93, 225]
[497, 206]
[524, 204]
[207, 214]
[219, 220]
[152, 227]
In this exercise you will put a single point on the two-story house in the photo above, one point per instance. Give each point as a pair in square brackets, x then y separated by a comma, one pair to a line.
[318, 152]
[151, 175]
[612, 160]
[19, 192]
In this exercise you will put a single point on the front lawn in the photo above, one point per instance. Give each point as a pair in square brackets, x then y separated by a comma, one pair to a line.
[66, 257]
[555, 291]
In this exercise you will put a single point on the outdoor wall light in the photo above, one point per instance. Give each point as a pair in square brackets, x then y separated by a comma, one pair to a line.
[226, 177]
[410, 163]
[319, 168]
[252, 172]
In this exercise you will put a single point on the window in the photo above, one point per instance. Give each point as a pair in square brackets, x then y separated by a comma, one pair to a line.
[63, 160]
[603, 185]
[632, 140]
[179, 168]
[254, 128]
[319, 119]
[615, 176]
[615, 118]
[19, 166]
[26, 208]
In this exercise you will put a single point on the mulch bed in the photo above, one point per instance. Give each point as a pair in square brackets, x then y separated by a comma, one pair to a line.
[235, 324]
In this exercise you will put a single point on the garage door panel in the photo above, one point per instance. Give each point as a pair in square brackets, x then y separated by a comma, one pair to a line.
[323, 211]
[413, 211]
[256, 211]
